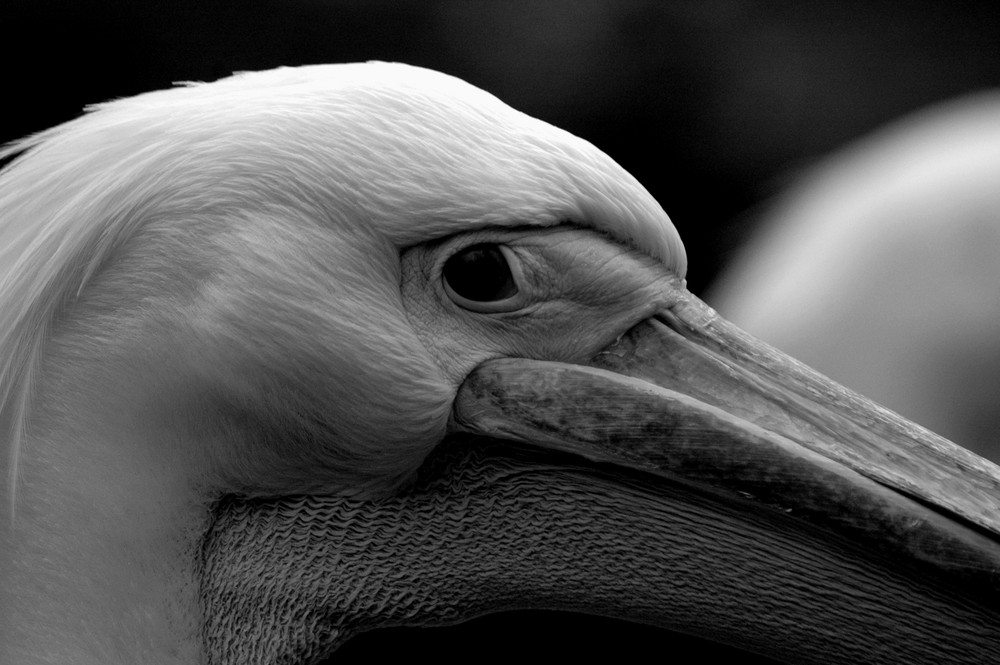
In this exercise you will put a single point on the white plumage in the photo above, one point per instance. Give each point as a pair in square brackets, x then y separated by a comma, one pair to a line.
[200, 294]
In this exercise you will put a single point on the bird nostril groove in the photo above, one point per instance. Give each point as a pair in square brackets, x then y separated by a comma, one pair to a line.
[668, 318]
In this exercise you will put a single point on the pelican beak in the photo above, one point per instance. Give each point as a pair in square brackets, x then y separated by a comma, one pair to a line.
[688, 476]
[687, 400]
[688, 396]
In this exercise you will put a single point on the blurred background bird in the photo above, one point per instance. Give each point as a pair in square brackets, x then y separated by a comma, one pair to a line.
[881, 269]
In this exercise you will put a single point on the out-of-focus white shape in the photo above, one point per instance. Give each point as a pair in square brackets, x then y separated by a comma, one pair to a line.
[881, 268]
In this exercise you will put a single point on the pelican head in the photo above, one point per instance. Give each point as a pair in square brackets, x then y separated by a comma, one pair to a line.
[308, 352]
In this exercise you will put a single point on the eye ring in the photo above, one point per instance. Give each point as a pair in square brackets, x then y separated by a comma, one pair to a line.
[484, 277]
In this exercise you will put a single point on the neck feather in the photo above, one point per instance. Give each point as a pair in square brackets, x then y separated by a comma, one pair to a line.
[99, 562]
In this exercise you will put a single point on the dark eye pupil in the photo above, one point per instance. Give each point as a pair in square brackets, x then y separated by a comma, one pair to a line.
[480, 273]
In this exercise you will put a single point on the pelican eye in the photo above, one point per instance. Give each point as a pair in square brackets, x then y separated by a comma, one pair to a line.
[479, 278]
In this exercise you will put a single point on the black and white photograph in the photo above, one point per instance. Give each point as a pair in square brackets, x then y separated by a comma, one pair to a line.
[534, 331]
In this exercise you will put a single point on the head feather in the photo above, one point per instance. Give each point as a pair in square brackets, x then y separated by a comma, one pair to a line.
[388, 155]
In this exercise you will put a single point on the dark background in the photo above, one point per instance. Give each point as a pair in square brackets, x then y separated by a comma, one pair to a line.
[713, 105]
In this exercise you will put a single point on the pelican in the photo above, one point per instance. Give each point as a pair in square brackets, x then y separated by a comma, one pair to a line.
[309, 352]
[879, 268]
